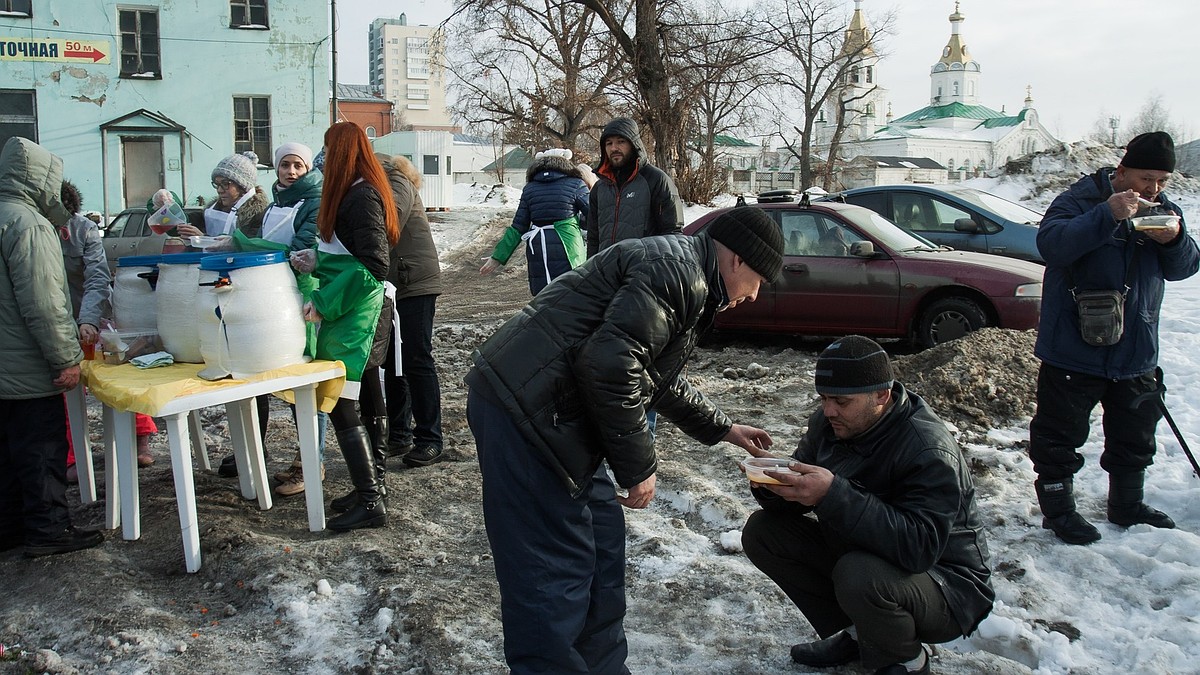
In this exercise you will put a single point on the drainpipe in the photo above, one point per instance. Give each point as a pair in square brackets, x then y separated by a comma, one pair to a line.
[333, 108]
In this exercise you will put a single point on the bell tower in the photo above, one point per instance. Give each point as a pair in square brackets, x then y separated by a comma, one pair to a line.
[955, 77]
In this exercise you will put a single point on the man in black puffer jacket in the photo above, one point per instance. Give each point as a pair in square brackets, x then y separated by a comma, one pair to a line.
[562, 389]
[631, 198]
[895, 555]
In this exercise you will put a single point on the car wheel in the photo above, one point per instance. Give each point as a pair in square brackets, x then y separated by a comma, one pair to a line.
[948, 319]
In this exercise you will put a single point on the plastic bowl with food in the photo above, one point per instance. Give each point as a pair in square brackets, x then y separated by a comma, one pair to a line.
[756, 468]
[1155, 222]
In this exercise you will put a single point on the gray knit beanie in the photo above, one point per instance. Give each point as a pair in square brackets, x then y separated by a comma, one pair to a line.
[853, 365]
[752, 234]
[241, 169]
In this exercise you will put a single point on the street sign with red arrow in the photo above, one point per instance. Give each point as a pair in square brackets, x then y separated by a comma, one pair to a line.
[55, 50]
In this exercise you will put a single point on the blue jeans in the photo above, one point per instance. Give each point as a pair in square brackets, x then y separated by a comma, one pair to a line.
[414, 399]
[560, 561]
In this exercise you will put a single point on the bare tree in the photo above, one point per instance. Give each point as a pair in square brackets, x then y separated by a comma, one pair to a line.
[537, 68]
[661, 112]
[1154, 116]
[716, 77]
[815, 63]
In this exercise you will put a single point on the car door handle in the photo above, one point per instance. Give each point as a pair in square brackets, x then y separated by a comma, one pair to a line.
[798, 268]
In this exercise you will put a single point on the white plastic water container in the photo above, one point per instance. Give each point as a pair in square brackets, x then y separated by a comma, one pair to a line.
[248, 314]
[134, 307]
[178, 325]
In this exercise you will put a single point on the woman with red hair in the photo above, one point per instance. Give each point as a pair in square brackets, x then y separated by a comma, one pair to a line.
[357, 228]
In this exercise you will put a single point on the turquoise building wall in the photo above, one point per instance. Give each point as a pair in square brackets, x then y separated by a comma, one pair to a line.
[204, 64]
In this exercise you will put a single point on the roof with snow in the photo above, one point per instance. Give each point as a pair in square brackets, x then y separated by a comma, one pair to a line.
[358, 92]
[731, 142]
[950, 110]
[517, 158]
[887, 162]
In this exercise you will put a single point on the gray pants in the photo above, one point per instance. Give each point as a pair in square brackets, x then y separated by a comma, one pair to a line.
[893, 610]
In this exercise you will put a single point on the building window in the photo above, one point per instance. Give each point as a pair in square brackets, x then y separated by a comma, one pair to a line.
[418, 58]
[370, 132]
[140, 55]
[448, 165]
[252, 125]
[870, 74]
[956, 88]
[418, 92]
[248, 14]
[16, 8]
[18, 114]
[430, 165]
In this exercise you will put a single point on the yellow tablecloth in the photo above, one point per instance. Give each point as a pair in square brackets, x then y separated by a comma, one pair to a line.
[127, 387]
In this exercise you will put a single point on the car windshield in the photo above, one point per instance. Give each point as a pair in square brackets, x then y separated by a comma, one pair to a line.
[1000, 206]
[886, 231]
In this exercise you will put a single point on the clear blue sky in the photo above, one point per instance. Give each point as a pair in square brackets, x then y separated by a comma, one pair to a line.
[1082, 57]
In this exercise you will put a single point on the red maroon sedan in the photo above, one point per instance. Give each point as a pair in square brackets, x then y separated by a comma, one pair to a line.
[848, 270]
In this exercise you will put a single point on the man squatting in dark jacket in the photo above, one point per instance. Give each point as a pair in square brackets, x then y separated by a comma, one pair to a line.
[873, 532]
[1090, 243]
[563, 388]
[631, 198]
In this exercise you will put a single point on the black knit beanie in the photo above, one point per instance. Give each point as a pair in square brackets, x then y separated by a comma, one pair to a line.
[749, 232]
[1153, 150]
[853, 365]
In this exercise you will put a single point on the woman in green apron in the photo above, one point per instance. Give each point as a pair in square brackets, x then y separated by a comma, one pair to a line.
[357, 228]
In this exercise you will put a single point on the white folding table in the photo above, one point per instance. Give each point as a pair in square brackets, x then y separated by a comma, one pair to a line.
[175, 393]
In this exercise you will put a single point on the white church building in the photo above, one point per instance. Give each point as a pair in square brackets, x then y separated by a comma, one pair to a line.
[955, 130]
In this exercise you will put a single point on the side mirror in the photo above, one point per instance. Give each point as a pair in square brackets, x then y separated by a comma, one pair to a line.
[966, 225]
[862, 249]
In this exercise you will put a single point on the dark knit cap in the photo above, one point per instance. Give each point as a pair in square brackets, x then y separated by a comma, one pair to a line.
[749, 232]
[853, 365]
[1153, 150]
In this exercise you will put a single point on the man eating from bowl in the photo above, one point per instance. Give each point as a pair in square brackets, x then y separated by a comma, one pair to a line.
[873, 531]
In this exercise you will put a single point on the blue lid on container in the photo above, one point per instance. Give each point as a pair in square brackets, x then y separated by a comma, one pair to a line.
[193, 258]
[139, 261]
[233, 261]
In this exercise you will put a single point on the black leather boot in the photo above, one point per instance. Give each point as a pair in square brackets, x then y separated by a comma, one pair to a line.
[368, 510]
[377, 430]
[1057, 499]
[1125, 505]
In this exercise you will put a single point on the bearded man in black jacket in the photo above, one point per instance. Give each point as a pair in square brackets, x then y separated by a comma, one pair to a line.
[631, 198]
[562, 389]
[872, 531]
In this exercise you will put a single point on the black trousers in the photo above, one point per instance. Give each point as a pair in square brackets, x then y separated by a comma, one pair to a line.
[414, 400]
[893, 610]
[1065, 400]
[33, 469]
[560, 561]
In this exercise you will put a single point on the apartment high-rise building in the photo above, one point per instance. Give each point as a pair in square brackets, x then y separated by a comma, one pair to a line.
[406, 67]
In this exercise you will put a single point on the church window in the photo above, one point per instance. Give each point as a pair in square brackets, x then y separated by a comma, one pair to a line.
[939, 92]
[854, 76]
[971, 88]
[956, 87]
[870, 109]
[870, 74]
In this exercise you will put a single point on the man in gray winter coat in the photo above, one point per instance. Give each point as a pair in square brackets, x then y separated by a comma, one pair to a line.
[631, 198]
[41, 356]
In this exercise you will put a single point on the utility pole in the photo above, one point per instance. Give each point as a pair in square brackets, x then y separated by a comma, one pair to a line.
[333, 107]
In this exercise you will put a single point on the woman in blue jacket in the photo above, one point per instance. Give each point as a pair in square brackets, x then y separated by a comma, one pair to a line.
[553, 203]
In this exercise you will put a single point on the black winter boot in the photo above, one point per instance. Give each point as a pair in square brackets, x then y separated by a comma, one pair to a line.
[377, 430]
[1125, 505]
[368, 510]
[1057, 499]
